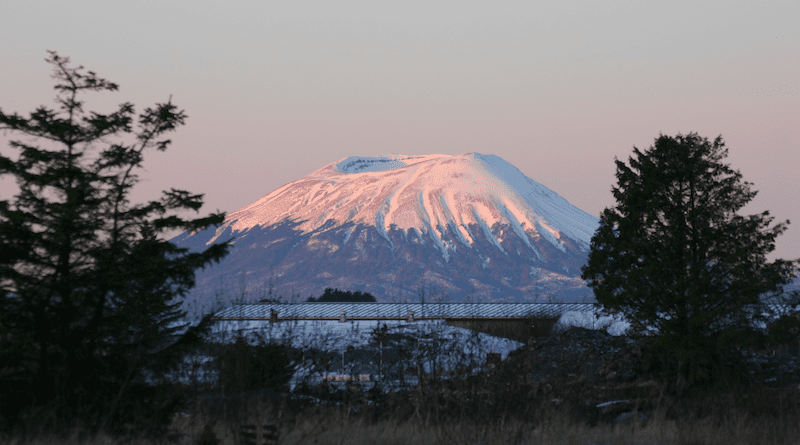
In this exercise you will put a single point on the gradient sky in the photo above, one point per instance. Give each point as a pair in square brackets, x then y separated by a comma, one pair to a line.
[276, 90]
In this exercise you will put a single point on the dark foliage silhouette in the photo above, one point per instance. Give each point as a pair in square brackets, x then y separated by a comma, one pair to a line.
[336, 295]
[90, 291]
[245, 367]
[676, 259]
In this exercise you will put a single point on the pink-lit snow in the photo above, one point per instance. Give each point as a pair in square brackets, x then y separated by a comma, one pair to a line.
[425, 193]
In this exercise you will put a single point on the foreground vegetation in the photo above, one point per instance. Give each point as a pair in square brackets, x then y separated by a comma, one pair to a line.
[526, 399]
[747, 423]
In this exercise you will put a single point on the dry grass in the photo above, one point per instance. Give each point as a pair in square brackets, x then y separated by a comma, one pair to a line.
[334, 427]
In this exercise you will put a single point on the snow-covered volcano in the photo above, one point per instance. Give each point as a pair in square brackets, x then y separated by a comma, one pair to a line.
[391, 225]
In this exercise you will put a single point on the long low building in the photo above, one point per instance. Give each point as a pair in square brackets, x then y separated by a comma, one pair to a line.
[398, 311]
[517, 321]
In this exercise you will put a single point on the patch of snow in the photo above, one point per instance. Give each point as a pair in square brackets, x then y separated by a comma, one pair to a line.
[516, 219]
[361, 164]
[428, 219]
[482, 212]
[335, 336]
[220, 230]
[547, 234]
[588, 320]
[312, 194]
[393, 198]
[488, 232]
[461, 234]
[379, 221]
[418, 235]
[618, 328]
[347, 234]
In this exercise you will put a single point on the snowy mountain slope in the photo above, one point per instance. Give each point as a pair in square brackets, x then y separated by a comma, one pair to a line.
[422, 192]
[466, 223]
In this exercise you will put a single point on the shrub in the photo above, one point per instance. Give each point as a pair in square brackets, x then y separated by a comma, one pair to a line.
[245, 367]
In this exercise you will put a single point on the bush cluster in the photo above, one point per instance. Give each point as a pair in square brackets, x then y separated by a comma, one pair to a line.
[336, 295]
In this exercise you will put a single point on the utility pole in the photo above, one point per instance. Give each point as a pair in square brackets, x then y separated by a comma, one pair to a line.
[379, 333]
[349, 349]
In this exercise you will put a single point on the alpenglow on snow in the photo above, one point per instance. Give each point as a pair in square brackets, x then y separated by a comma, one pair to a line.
[469, 225]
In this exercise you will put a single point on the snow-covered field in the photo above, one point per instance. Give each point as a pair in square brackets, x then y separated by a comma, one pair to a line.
[432, 345]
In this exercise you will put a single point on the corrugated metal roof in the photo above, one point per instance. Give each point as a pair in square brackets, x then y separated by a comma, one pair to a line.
[399, 311]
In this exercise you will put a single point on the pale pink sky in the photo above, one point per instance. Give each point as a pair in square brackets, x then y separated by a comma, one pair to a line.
[276, 90]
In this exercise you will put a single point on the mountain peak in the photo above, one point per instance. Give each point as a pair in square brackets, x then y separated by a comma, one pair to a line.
[452, 220]
[427, 193]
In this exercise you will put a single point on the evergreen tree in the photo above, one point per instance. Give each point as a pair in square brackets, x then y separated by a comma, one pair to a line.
[90, 317]
[675, 258]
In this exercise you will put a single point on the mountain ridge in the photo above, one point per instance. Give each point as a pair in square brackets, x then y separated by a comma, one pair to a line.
[472, 225]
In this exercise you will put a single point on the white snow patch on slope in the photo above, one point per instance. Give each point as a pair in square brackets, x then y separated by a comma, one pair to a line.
[516, 219]
[548, 235]
[439, 242]
[451, 221]
[379, 221]
[393, 198]
[429, 219]
[314, 194]
[361, 164]
[418, 235]
[220, 230]
[487, 231]
[347, 235]
[450, 202]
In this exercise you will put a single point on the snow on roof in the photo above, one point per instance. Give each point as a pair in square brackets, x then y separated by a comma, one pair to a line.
[399, 311]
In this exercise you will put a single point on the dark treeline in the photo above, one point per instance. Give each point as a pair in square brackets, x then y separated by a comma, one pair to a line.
[336, 295]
